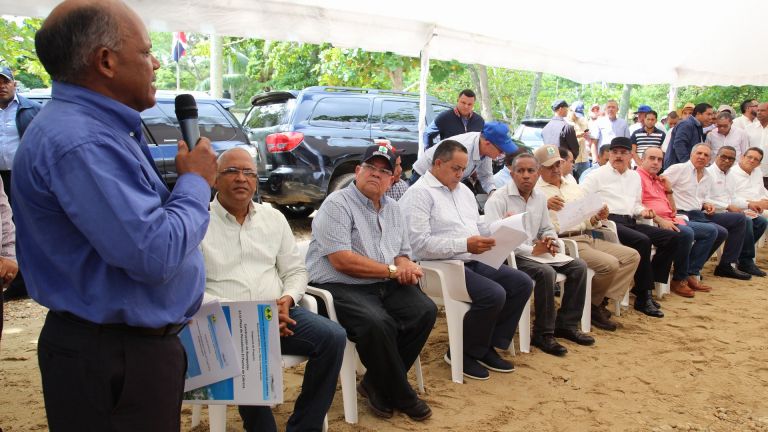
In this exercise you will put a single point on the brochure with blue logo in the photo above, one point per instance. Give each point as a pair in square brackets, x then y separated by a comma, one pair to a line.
[254, 329]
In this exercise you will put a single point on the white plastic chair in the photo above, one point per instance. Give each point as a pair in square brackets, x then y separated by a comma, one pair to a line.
[350, 363]
[571, 249]
[661, 289]
[217, 414]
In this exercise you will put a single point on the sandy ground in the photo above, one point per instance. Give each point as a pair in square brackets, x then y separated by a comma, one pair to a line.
[704, 367]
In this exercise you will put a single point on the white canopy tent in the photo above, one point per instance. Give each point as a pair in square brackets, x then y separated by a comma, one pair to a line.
[677, 43]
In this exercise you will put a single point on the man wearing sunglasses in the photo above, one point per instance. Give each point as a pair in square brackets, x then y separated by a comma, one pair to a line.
[360, 252]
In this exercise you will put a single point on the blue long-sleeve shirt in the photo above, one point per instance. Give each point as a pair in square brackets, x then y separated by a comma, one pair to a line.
[98, 233]
[686, 134]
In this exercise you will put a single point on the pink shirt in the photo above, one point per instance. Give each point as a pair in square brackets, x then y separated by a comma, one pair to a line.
[655, 198]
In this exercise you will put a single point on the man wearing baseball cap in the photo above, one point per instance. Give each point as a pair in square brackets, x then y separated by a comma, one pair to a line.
[482, 148]
[16, 112]
[559, 132]
[360, 252]
[642, 110]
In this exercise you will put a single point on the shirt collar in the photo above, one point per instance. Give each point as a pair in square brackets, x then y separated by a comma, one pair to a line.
[456, 111]
[221, 212]
[431, 181]
[364, 200]
[643, 172]
[512, 190]
[103, 108]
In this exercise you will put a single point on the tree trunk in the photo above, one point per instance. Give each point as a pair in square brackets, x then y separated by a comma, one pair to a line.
[485, 95]
[530, 107]
[672, 100]
[396, 75]
[624, 106]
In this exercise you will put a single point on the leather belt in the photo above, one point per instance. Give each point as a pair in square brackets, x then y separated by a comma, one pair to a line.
[168, 330]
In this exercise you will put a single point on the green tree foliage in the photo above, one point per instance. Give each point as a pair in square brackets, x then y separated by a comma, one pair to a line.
[18, 51]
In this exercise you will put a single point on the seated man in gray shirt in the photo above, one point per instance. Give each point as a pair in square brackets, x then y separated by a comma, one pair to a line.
[443, 223]
[519, 196]
[360, 253]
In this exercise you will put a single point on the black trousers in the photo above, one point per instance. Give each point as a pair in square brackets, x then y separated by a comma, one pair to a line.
[389, 323]
[641, 237]
[103, 380]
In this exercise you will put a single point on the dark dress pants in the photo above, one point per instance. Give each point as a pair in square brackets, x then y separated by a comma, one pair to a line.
[572, 301]
[641, 237]
[389, 323]
[103, 380]
[498, 299]
[323, 341]
[754, 229]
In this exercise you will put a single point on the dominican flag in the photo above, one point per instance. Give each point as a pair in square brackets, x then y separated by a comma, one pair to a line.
[178, 46]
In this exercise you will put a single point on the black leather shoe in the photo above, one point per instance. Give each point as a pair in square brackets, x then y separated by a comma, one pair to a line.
[655, 303]
[375, 403]
[549, 345]
[574, 335]
[601, 320]
[752, 269]
[419, 411]
[728, 271]
[648, 308]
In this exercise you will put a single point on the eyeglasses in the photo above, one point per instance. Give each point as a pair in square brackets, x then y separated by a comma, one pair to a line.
[233, 172]
[728, 158]
[373, 168]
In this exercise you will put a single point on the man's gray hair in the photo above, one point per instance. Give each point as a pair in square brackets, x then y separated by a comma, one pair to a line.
[702, 145]
[724, 115]
[65, 44]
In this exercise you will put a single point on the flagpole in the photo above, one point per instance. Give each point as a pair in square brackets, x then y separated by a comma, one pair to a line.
[178, 77]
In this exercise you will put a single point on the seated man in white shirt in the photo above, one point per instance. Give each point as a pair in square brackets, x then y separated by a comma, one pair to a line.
[443, 223]
[519, 196]
[613, 263]
[250, 254]
[620, 188]
[749, 195]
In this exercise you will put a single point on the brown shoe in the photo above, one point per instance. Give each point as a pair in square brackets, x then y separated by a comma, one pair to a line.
[696, 285]
[681, 288]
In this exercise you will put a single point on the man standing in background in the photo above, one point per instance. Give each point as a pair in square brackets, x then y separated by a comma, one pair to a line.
[461, 119]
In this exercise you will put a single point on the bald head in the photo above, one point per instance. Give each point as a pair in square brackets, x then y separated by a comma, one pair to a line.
[236, 153]
[653, 158]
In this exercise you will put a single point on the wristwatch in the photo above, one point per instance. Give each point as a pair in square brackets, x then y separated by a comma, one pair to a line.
[392, 271]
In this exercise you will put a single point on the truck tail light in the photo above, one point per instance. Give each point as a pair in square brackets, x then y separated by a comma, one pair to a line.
[284, 141]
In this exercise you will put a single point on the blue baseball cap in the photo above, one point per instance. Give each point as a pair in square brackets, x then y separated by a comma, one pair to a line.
[578, 108]
[643, 109]
[498, 134]
[6, 72]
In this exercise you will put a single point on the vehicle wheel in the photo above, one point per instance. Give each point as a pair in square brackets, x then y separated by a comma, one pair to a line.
[296, 211]
[340, 182]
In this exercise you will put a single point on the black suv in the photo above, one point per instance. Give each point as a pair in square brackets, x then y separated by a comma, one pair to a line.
[161, 128]
[310, 141]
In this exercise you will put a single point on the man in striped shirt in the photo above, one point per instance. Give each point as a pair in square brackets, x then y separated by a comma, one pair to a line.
[647, 136]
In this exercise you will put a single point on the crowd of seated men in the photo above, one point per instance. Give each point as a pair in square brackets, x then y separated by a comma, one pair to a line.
[366, 247]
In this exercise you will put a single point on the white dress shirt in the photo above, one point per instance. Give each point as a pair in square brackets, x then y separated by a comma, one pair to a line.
[9, 134]
[536, 220]
[689, 192]
[257, 260]
[742, 121]
[758, 137]
[746, 187]
[482, 164]
[622, 192]
[439, 219]
[720, 193]
[736, 138]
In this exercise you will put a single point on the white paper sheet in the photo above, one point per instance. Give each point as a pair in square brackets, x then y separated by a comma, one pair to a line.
[210, 350]
[509, 233]
[546, 258]
[575, 212]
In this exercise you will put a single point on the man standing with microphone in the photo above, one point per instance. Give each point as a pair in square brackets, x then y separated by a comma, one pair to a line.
[107, 248]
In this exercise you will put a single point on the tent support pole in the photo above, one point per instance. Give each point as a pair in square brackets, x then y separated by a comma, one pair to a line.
[423, 81]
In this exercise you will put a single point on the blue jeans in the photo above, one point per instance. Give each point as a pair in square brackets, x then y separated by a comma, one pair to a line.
[323, 341]
[754, 230]
[694, 249]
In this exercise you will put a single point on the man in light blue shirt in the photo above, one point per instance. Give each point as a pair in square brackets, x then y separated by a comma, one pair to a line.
[610, 126]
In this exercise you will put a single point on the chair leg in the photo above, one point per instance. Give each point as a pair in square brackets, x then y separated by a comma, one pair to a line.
[455, 341]
[325, 423]
[349, 383]
[524, 327]
[586, 315]
[217, 418]
[197, 410]
[419, 376]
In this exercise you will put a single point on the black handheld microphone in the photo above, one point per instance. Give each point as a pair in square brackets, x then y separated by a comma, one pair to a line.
[186, 113]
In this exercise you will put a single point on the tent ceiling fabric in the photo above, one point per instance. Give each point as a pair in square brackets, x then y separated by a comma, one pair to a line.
[623, 42]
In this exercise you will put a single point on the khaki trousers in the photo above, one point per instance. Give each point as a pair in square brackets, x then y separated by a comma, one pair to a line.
[614, 266]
